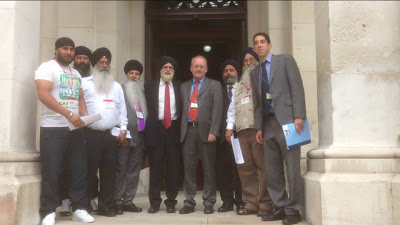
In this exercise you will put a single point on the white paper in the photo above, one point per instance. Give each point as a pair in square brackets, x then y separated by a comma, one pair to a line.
[87, 119]
[115, 131]
[237, 152]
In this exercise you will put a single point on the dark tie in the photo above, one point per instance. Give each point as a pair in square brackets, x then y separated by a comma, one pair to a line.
[193, 99]
[266, 103]
[167, 110]
[230, 93]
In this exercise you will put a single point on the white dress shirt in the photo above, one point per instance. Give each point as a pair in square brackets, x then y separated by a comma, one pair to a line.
[161, 98]
[231, 117]
[111, 106]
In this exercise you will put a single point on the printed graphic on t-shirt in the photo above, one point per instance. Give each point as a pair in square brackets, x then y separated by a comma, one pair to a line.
[69, 91]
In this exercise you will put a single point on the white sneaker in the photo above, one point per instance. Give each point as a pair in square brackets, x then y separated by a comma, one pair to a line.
[95, 208]
[49, 219]
[82, 215]
[65, 208]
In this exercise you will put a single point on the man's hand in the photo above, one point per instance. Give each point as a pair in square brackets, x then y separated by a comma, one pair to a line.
[122, 139]
[228, 135]
[259, 137]
[298, 123]
[76, 121]
[211, 138]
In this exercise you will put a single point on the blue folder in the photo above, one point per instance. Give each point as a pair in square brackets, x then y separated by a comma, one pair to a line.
[293, 139]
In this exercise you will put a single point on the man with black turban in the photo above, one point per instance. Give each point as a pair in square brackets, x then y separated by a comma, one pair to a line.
[104, 96]
[82, 60]
[162, 134]
[130, 158]
[225, 162]
[61, 150]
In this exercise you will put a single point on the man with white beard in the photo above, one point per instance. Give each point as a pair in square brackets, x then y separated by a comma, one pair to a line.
[241, 119]
[162, 134]
[104, 96]
[130, 158]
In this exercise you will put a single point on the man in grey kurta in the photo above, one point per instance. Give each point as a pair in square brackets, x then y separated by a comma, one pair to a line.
[130, 157]
[278, 99]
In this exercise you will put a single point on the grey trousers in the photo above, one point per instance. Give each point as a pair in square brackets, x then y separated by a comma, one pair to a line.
[193, 149]
[130, 161]
[276, 156]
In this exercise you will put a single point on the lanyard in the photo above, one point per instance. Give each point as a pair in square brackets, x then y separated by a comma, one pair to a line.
[71, 81]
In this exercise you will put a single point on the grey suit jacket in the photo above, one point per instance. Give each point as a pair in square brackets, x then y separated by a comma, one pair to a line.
[286, 88]
[132, 123]
[209, 108]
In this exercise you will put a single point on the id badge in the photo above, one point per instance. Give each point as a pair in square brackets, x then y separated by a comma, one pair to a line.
[193, 105]
[245, 100]
[268, 96]
[72, 104]
[108, 104]
[139, 115]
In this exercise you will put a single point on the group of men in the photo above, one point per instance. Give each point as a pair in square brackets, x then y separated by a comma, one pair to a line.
[176, 122]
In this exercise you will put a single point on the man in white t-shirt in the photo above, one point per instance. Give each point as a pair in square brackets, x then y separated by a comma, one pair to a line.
[104, 96]
[59, 89]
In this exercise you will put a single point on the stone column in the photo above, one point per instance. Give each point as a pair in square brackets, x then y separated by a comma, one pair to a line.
[353, 175]
[19, 160]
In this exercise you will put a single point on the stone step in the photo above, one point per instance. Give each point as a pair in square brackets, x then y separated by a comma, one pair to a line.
[162, 217]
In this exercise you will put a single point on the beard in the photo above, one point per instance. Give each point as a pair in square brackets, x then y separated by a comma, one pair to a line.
[167, 77]
[134, 91]
[245, 79]
[83, 69]
[103, 80]
[64, 62]
[230, 79]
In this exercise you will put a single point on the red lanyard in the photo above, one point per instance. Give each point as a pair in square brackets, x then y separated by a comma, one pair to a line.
[71, 81]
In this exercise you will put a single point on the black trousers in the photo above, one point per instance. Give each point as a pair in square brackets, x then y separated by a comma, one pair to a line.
[169, 150]
[228, 180]
[62, 150]
[102, 156]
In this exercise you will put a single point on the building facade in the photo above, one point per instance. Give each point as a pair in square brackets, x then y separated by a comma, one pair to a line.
[348, 55]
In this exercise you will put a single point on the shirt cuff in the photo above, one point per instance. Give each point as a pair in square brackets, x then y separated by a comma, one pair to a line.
[229, 126]
[123, 127]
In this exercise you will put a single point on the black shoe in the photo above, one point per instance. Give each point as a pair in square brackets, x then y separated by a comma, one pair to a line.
[132, 208]
[226, 207]
[208, 210]
[186, 210]
[171, 209]
[277, 214]
[239, 206]
[292, 219]
[119, 210]
[109, 212]
[153, 209]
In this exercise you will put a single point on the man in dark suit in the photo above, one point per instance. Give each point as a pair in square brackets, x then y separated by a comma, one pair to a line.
[278, 99]
[130, 157]
[162, 134]
[200, 127]
[225, 160]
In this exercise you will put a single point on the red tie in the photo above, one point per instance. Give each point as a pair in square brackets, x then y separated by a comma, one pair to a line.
[193, 99]
[167, 110]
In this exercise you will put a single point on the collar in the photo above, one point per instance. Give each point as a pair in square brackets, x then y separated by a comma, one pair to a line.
[268, 59]
[201, 81]
[234, 85]
[162, 83]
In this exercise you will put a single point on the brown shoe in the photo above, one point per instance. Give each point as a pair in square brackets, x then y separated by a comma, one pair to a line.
[245, 211]
[263, 212]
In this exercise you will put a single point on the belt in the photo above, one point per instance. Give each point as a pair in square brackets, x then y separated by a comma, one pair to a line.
[162, 121]
[193, 124]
